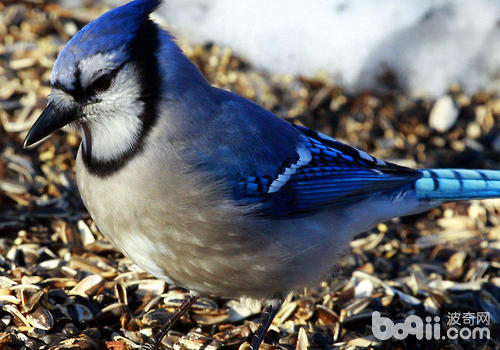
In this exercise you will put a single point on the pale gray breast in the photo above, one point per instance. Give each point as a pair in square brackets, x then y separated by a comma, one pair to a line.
[179, 228]
[173, 227]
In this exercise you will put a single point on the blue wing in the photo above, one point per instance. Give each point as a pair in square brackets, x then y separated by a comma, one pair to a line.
[323, 173]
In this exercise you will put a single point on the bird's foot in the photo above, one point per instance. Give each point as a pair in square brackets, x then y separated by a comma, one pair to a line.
[153, 343]
[269, 313]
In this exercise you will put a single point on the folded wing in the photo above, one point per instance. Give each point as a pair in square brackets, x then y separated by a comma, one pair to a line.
[324, 173]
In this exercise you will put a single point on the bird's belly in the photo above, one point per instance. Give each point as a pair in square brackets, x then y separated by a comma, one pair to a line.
[223, 264]
[203, 252]
[197, 246]
[207, 257]
[154, 245]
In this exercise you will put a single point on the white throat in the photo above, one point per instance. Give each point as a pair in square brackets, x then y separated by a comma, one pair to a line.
[112, 139]
[114, 123]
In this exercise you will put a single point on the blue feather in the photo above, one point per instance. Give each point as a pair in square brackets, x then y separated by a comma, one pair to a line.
[458, 184]
[112, 32]
[336, 175]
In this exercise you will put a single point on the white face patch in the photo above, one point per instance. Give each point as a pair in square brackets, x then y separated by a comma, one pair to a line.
[304, 158]
[93, 67]
[60, 99]
[114, 121]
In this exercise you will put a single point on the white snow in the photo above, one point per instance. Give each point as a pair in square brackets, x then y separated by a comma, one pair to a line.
[428, 44]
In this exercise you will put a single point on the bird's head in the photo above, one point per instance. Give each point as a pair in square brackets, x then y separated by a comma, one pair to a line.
[105, 82]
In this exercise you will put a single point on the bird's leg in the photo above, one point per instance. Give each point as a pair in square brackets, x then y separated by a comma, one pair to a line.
[271, 310]
[172, 320]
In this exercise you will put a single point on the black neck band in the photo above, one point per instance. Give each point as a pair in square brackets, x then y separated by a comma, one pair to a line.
[143, 51]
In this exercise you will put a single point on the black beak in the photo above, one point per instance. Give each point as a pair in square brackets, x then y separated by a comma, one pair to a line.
[49, 121]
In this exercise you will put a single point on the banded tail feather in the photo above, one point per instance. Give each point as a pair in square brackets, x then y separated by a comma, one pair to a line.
[458, 184]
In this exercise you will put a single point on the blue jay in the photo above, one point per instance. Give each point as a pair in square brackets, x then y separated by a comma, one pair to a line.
[207, 190]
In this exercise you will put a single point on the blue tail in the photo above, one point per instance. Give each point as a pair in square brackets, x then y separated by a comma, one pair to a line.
[458, 184]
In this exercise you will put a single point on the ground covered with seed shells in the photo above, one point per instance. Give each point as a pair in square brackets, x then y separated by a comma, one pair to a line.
[63, 286]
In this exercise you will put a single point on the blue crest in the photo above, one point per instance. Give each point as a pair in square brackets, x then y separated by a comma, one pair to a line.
[111, 32]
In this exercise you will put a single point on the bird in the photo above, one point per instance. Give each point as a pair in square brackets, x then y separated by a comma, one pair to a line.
[207, 190]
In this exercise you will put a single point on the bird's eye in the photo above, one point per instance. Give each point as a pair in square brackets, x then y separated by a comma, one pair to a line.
[102, 83]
